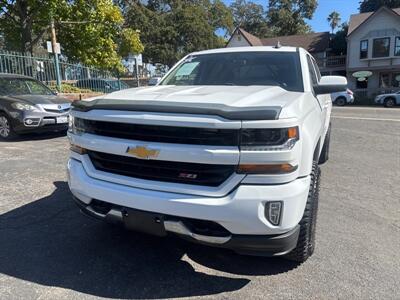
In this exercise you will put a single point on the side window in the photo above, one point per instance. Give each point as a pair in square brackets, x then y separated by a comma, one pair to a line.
[313, 75]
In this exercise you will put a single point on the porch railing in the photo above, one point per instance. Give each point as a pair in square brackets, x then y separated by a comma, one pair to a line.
[332, 62]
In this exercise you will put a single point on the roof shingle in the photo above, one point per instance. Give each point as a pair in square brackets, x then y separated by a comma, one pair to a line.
[312, 42]
[358, 19]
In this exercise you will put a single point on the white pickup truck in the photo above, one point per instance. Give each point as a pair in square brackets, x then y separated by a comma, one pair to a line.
[223, 151]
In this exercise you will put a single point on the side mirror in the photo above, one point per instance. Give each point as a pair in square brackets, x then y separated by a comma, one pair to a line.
[331, 84]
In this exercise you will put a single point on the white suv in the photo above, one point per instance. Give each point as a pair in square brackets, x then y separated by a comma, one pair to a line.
[224, 151]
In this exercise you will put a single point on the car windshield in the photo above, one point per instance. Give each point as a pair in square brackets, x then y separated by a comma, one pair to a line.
[22, 86]
[239, 69]
[114, 84]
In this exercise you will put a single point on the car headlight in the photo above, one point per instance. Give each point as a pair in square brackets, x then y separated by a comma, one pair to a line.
[75, 125]
[271, 139]
[23, 106]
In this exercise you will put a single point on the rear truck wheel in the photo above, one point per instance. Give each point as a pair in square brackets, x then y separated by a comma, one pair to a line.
[6, 130]
[325, 148]
[306, 241]
[389, 102]
[341, 101]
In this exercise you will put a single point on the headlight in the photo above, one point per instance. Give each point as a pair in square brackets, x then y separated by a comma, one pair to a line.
[23, 106]
[75, 125]
[272, 139]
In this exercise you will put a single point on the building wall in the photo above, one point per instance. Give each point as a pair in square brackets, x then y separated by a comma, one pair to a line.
[237, 41]
[383, 24]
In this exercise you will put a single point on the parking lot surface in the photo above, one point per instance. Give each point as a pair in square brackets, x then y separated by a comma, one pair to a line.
[48, 250]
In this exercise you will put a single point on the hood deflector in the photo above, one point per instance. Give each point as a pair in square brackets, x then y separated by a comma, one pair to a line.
[224, 111]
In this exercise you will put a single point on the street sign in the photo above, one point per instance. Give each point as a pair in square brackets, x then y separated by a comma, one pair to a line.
[136, 58]
[50, 48]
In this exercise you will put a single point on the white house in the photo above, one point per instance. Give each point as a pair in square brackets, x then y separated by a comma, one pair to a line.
[373, 52]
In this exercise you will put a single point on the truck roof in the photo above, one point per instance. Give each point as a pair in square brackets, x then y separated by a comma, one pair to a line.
[247, 49]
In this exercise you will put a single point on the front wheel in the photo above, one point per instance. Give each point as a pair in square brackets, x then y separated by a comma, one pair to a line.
[341, 101]
[389, 102]
[6, 130]
[306, 242]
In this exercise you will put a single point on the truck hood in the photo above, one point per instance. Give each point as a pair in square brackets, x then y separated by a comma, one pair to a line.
[231, 102]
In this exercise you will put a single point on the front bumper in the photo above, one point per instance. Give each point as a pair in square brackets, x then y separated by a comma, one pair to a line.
[241, 212]
[41, 121]
[161, 225]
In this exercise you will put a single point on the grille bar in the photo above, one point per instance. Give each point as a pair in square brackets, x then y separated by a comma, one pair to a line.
[161, 134]
[166, 171]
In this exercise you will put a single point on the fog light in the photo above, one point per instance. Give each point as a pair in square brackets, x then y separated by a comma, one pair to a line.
[29, 121]
[273, 211]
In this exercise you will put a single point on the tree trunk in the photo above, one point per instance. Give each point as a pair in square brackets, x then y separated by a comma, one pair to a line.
[25, 25]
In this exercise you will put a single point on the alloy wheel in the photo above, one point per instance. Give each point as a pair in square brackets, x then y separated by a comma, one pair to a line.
[4, 127]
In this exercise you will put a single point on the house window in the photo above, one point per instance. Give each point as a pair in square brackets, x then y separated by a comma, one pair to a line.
[364, 49]
[396, 80]
[384, 80]
[381, 47]
[397, 46]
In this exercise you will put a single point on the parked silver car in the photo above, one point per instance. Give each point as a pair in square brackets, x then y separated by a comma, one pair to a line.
[388, 100]
[27, 105]
[343, 98]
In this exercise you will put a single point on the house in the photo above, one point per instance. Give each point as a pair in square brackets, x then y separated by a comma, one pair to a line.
[318, 44]
[373, 52]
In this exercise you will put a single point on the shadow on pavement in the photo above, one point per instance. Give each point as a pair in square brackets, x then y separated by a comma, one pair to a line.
[51, 243]
[39, 136]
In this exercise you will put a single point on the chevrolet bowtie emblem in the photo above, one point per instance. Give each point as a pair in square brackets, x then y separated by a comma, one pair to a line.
[142, 152]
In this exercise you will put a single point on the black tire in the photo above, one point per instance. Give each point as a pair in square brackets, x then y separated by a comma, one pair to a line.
[306, 242]
[341, 101]
[389, 102]
[6, 131]
[324, 157]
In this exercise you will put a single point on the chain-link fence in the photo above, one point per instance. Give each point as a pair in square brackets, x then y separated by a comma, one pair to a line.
[74, 78]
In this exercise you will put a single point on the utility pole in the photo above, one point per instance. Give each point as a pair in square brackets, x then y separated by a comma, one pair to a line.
[55, 50]
[137, 72]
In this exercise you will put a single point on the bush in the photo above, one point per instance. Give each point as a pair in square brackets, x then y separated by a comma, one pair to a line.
[69, 88]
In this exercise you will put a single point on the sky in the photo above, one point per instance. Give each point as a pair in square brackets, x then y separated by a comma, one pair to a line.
[319, 23]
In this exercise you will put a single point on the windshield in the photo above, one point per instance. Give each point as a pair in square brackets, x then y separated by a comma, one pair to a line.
[22, 86]
[240, 69]
[115, 84]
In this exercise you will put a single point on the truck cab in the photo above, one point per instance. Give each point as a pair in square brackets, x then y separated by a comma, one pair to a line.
[223, 151]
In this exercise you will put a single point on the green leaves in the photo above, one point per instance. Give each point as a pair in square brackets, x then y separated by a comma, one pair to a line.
[251, 17]
[334, 20]
[89, 31]
[171, 29]
[374, 5]
[286, 17]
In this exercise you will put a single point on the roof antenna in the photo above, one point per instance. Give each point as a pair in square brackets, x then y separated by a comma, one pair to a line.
[278, 45]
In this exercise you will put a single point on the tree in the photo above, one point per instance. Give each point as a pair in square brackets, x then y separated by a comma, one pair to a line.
[334, 20]
[89, 31]
[287, 17]
[251, 17]
[339, 41]
[374, 5]
[24, 22]
[172, 28]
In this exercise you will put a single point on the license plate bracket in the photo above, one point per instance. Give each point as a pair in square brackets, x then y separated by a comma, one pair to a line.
[62, 120]
[146, 222]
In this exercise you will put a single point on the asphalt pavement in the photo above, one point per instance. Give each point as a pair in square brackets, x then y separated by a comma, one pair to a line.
[49, 250]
